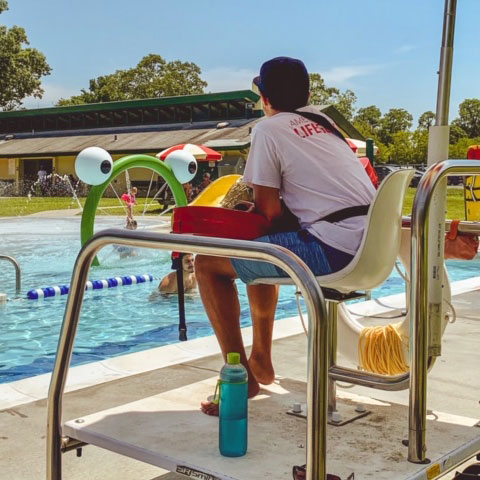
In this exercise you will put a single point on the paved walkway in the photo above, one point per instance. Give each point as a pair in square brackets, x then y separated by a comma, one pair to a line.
[65, 212]
[454, 387]
[72, 212]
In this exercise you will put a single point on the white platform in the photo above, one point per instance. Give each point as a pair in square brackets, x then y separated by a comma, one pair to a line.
[168, 430]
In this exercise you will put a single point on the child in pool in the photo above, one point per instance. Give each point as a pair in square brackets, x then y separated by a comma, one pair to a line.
[123, 250]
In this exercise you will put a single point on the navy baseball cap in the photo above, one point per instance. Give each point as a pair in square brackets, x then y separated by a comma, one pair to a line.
[285, 82]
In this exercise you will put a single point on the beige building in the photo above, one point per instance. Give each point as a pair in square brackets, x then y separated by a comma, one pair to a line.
[50, 138]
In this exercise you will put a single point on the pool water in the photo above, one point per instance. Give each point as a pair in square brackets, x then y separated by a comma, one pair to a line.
[113, 321]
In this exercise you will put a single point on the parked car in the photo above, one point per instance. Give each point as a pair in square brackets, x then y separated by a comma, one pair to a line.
[454, 180]
[417, 176]
[451, 180]
[383, 171]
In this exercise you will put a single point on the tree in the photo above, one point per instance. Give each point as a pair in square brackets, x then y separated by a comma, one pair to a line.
[320, 94]
[460, 149]
[369, 116]
[345, 104]
[456, 133]
[400, 150]
[420, 146]
[426, 120]
[152, 77]
[469, 117]
[20, 68]
[394, 121]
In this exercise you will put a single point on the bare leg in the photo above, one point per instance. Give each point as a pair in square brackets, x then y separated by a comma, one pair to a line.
[263, 303]
[219, 295]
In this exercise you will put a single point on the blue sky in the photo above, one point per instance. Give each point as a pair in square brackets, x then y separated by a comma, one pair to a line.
[386, 51]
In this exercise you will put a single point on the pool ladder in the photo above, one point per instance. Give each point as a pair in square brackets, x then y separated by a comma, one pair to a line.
[18, 272]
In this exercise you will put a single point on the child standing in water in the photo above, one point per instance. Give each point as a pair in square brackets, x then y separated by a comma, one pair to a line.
[123, 250]
[130, 200]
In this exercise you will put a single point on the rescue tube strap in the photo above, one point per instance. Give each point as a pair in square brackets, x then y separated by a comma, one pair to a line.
[345, 213]
[323, 121]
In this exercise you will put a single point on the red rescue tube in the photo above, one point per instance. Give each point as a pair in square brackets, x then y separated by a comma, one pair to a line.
[219, 222]
[473, 152]
[370, 171]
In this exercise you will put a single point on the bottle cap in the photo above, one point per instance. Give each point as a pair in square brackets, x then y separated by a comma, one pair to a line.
[233, 358]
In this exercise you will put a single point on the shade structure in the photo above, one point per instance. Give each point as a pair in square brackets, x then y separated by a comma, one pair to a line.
[200, 152]
[352, 145]
[359, 147]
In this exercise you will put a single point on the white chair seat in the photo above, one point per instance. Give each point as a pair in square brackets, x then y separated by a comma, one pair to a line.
[376, 256]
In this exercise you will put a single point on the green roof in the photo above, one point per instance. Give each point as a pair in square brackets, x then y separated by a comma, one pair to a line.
[240, 95]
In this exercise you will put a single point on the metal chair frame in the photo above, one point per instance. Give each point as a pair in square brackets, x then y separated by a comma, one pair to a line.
[318, 350]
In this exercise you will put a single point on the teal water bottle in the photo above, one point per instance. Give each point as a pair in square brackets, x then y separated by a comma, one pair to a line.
[233, 407]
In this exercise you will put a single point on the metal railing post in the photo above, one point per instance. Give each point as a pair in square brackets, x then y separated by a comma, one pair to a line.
[17, 271]
[332, 315]
[317, 397]
[419, 301]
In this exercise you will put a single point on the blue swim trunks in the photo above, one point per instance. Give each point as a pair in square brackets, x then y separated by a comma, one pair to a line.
[321, 258]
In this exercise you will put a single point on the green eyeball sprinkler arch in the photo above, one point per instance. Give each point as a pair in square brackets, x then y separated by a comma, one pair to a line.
[95, 166]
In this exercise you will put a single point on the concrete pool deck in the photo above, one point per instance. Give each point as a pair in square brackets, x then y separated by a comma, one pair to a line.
[454, 387]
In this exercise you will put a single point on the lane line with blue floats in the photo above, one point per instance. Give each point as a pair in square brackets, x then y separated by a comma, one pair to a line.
[94, 166]
[112, 282]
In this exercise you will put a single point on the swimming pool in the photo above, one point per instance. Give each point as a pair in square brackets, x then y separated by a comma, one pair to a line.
[114, 321]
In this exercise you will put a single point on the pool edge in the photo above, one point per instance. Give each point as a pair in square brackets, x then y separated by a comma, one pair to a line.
[35, 388]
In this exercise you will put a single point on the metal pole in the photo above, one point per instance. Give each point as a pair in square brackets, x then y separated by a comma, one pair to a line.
[425, 330]
[465, 226]
[317, 398]
[421, 273]
[332, 315]
[182, 323]
[17, 271]
[446, 62]
[369, 150]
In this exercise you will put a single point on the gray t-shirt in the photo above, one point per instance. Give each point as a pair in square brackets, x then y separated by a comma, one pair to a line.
[316, 172]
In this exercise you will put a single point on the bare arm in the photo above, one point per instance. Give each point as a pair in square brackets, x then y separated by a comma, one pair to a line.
[267, 202]
[168, 283]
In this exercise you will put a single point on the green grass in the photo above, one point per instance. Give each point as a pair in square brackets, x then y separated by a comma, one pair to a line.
[19, 206]
[15, 206]
[455, 203]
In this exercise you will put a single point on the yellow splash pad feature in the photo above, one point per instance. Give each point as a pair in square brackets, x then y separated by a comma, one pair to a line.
[214, 193]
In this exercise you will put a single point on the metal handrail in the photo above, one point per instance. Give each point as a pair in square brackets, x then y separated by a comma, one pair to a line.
[317, 375]
[377, 381]
[18, 272]
[419, 298]
[401, 381]
[464, 226]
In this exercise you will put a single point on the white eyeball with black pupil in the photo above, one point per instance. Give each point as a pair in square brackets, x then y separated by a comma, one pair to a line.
[183, 164]
[93, 165]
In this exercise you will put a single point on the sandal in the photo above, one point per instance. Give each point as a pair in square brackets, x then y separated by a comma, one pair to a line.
[299, 473]
[473, 469]
[212, 407]
[465, 476]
